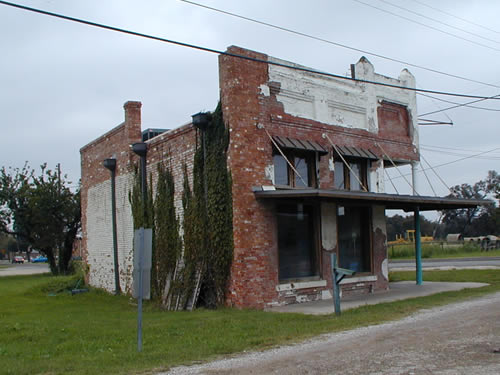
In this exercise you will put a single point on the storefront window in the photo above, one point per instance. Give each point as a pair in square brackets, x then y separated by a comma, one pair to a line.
[354, 238]
[296, 242]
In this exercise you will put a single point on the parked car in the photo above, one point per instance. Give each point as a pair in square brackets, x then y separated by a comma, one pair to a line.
[18, 259]
[39, 259]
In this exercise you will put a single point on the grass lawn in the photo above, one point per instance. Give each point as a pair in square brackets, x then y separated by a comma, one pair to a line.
[434, 250]
[95, 333]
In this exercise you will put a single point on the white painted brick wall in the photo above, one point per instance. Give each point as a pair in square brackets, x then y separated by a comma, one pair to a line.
[100, 235]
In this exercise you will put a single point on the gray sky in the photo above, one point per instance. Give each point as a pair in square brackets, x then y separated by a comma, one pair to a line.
[63, 84]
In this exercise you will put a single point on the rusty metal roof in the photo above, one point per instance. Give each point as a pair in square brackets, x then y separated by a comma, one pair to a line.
[299, 144]
[356, 152]
[390, 201]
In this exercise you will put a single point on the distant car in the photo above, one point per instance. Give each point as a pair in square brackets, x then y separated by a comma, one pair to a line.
[18, 259]
[39, 259]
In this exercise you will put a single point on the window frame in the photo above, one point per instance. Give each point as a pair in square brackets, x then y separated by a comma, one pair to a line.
[316, 242]
[364, 167]
[312, 161]
[368, 218]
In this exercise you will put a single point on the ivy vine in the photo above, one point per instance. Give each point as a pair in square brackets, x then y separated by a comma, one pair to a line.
[200, 263]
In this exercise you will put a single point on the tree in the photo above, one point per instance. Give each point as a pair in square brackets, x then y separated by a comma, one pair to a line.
[481, 220]
[42, 211]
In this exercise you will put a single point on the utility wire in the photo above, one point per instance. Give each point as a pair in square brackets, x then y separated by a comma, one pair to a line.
[454, 161]
[459, 154]
[211, 50]
[438, 21]
[460, 104]
[428, 180]
[337, 44]
[425, 25]
[437, 175]
[455, 16]
[450, 148]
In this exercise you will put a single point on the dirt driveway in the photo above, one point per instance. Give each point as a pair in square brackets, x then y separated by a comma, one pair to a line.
[454, 339]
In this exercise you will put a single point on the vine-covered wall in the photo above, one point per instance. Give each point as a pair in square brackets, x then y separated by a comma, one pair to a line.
[193, 269]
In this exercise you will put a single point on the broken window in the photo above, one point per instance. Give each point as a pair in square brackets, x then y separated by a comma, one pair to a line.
[346, 179]
[354, 238]
[304, 163]
[296, 241]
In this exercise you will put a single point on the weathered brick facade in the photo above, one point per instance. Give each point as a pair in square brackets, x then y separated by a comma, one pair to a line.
[261, 100]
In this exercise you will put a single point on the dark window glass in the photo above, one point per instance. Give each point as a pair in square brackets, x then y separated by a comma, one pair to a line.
[296, 249]
[280, 170]
[354, 238]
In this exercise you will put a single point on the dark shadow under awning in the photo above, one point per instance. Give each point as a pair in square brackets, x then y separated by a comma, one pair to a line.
[390, 201]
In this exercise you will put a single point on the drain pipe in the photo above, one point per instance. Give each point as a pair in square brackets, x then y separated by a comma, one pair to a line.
[111, 165]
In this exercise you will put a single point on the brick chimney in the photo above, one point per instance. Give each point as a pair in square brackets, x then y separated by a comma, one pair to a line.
[133, 121]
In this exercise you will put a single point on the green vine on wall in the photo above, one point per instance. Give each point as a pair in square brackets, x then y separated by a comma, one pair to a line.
[215, 209]
[202, 266]
[167, 243]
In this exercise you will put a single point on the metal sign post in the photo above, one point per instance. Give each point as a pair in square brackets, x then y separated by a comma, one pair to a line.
[142, 274]
[337, 275]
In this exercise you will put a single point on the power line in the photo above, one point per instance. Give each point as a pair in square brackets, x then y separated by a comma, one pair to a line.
[455, 161]
[438, 21]
[460, 104]
[450, 148]
[211, 50]
[460, 154]
[455, 16]
[425, 25]
[337, 44]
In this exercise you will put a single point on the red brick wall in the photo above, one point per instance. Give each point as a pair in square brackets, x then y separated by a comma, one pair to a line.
[175, 148]
[254, 271]
[113, 144]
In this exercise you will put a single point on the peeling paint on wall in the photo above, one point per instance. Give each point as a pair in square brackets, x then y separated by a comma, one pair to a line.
[100, 243]
[328, 226]
[340, 102]
[269, 172]
[385, 269]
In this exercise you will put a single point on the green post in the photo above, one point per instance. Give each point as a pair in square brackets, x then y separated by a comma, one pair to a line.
[418, 246]
[336, 284]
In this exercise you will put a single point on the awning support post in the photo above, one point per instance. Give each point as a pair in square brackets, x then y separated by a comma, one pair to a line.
[418, 246]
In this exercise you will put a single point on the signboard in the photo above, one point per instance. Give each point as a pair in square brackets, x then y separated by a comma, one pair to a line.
[143, 241]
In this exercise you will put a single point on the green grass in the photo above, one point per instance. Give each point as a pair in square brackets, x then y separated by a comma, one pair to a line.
[46, 330]
[433, 250]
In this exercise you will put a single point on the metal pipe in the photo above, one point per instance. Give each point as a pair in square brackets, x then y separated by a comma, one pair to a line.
[414, 171]
[111, 165]
[115, 240]
[418, 246]
[141, 150]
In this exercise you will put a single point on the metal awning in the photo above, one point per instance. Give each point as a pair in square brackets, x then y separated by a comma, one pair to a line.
[390, 201]
[299, 144]
[356, 152]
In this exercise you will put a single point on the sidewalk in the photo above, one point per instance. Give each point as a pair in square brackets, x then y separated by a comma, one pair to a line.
[397, 291]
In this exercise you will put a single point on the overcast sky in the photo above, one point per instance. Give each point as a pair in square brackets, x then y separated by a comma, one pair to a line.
[63, 84]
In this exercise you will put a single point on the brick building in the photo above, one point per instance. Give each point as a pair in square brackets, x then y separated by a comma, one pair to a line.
[307, 155]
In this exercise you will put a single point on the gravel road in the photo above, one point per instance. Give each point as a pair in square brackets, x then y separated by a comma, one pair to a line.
[455, 339]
